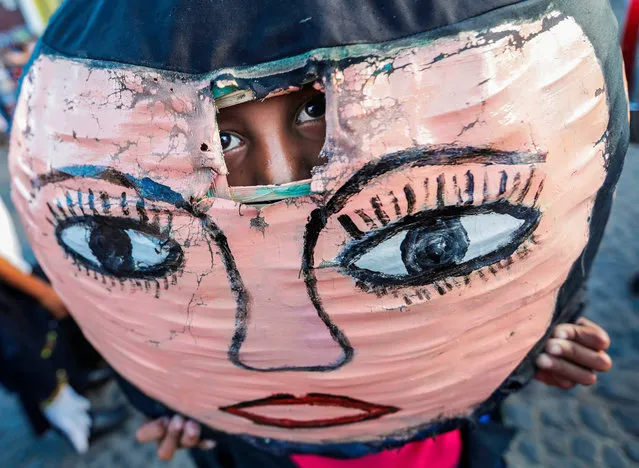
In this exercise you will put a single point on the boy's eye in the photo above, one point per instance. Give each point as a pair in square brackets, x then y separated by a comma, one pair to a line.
[313, 109]
[230, 141]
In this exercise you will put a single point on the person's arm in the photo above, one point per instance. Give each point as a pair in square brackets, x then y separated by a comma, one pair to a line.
[33, 287]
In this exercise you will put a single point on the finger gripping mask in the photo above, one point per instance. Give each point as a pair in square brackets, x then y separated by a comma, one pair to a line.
[467, 173]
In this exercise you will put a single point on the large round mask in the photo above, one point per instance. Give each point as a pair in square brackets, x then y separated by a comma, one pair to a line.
[396, 291]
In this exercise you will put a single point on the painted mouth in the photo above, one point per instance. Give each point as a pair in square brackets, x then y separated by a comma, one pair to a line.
[365, 410]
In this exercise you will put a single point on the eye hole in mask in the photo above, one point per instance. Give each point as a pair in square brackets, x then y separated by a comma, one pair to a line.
[271, 146]
[120, 247]
[432, 245]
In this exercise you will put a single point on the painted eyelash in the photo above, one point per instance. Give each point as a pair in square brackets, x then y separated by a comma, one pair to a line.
[380, 214]
[513, 193]
[104, 204]
[79, 204]
[147, 285]
[412, 295]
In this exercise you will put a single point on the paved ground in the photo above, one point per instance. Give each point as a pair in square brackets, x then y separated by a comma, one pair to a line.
[596, 427]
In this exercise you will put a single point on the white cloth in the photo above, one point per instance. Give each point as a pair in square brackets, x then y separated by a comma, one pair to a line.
[10, 248]
[69, 413]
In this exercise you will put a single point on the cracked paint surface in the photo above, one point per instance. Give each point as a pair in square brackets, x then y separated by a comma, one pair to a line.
[103, 116]
[237, 321]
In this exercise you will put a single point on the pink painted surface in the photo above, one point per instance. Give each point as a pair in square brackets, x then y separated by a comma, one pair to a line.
[438, 357]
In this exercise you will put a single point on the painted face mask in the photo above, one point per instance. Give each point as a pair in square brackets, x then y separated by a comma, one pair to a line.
[469, 163]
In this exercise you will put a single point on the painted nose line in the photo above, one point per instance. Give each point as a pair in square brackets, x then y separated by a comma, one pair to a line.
[297, 341]
[301, 336]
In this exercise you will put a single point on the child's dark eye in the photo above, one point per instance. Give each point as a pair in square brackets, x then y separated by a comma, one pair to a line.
[230, 141]
[312, 109]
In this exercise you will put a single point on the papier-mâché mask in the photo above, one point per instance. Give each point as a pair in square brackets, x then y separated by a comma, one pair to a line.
[468, 171]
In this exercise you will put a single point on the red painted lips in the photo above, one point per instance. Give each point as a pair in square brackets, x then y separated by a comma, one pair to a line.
[368, 410]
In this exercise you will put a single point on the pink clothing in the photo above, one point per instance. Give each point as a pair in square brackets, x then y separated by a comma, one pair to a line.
[443, 451]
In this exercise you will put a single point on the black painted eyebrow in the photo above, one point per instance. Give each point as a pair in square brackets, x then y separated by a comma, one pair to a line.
[72, 172]
[427, 156]
[486, 156]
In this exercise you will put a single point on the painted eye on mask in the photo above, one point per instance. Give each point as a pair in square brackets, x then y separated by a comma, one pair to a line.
[437, 244]
[119, 247]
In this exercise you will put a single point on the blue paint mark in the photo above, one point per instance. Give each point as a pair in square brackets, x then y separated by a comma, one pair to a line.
[146, 186]
[80, 200]
[69, 201]
[123, 201]
[89, 171]
[155, 191]
[91, 200]
[106, 205]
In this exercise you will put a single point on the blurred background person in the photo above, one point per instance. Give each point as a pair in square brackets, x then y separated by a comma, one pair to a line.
[36, 359]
